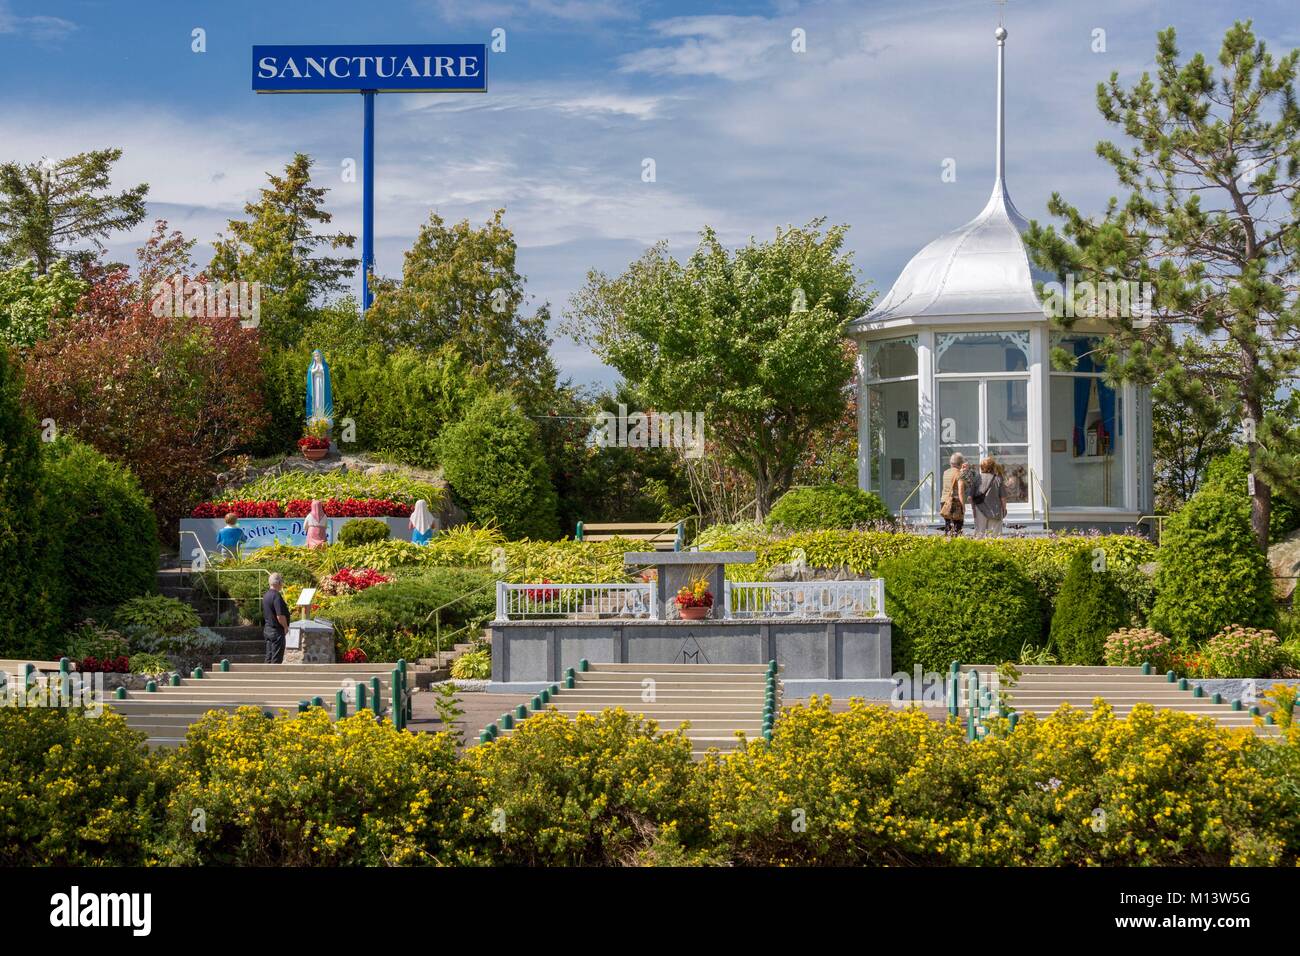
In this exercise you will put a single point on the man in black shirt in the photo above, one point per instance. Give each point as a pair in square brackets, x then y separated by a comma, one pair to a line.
[275, 620]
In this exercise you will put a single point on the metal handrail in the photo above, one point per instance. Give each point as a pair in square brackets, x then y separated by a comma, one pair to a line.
[210, 565]
[1157, 524]
[1047, 505]
[929, 476]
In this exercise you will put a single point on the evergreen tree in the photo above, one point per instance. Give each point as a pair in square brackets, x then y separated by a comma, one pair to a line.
[48, 207]
[1090, 607]
[277, 245]
[29, 588]
[1211, 221]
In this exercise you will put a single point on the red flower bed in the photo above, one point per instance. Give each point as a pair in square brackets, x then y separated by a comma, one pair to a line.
[350, 508]
[109, 665]
[244, 509]
[354, 656]
[299, 508]
[358, 579]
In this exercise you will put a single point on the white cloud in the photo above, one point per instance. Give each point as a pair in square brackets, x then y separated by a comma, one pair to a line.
[40, 29]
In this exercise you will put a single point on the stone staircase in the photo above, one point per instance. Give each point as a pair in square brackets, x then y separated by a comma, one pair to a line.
[1040, 690]
[716, 699]
[166, 713]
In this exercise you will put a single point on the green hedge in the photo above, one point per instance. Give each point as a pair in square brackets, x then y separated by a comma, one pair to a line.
[826, 507]
[958, 600]
[1211, 572]
[493, 459]
[105, 528]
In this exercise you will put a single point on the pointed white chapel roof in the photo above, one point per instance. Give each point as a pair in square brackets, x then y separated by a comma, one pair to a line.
[981, 268]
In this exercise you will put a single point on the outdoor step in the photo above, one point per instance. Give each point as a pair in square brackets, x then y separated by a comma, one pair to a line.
[239, 632]
[1062, 669]
[614, 677]
[652, 669]
[662, 684]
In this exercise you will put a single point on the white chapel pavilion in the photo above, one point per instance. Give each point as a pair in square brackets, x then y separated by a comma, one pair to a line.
[957, 358]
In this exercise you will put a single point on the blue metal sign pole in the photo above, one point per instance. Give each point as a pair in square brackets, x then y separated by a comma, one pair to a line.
[369, 69]
[368, 199]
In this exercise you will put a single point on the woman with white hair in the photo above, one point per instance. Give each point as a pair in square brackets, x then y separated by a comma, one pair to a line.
[953, 503]
[422, 523]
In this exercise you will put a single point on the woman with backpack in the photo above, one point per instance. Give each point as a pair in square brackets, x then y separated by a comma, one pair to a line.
[989, 499]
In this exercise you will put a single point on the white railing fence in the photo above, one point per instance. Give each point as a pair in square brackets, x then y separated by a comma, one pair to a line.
[577, 601]
[804, 598]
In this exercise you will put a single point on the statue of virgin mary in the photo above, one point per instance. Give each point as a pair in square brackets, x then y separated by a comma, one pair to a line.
[320, 396]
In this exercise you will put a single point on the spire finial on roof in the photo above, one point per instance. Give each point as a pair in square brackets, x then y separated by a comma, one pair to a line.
[999, 183]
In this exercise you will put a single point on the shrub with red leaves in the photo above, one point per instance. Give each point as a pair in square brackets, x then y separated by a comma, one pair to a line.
[109, 665]
[311, 441]
[354, 656]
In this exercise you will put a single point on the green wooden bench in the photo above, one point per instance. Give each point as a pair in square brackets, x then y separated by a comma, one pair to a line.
[665, 536]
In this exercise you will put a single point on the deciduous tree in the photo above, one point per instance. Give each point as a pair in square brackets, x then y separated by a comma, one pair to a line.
[753, 339]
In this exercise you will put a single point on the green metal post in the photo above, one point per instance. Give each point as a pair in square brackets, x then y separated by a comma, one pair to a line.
[361, 697]
[1236, 704]
[569, 682]
[175, 680]
[120, 693]
[399, 711]
[151, 687]
[340, 704]
[1198, 691]
[1217, 698]
[555, 689]
[1170, 676]
[545, 695]
[376, 696]
[1182, 683]
[303, 706]
[484, 737]
[318, 702]
[537, 703]
[1146, 667]
[65, 666]
[521, 711]
[508, 721]
[225, 665]
[568, 673]
[584, 665]
[1012, 719]
[198, 673]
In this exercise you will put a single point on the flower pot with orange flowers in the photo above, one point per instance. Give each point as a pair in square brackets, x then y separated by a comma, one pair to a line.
[695, 600]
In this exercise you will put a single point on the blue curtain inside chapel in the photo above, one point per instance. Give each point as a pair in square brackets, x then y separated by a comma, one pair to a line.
[1082, 390]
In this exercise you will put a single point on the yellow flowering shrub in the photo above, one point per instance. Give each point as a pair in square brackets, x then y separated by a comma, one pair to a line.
[593, 790]
[873, 786]
[74, 790]
[301, 790]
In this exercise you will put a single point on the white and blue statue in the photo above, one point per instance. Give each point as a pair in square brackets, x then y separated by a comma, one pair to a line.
[320, 395]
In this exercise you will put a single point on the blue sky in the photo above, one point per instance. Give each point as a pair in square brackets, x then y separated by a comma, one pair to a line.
[745, 133]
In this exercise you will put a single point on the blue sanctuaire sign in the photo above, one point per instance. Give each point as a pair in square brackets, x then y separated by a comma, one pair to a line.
[379, 68]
